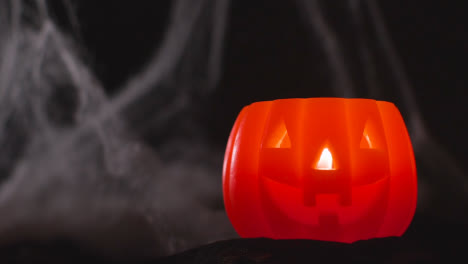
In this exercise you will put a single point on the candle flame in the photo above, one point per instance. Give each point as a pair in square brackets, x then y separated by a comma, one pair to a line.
[326, 160]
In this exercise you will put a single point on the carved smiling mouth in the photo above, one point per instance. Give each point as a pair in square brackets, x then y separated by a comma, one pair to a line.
[290, 200]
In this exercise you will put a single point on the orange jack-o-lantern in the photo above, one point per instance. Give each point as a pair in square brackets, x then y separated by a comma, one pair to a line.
[320, 168]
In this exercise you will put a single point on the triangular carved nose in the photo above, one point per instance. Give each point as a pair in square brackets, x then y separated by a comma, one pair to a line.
[325, 161]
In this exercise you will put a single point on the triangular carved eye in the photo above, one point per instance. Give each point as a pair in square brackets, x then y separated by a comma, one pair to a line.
[367, 137]
[278, 137]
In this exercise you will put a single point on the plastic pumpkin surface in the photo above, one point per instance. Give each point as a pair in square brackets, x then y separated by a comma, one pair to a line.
[329, 169]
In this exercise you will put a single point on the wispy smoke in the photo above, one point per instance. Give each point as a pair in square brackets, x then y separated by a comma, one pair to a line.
[72, 165]
[442, 185]
[313, 15]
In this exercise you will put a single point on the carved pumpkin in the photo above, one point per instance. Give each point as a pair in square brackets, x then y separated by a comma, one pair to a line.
[321, 168]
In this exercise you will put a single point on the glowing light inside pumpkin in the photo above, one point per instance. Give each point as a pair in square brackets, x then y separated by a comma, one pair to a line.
[285, 133]
[326, 160]
[365, 140]
[369, 143]
[279, 138]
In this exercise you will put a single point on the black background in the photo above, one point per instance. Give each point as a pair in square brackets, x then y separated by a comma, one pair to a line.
[269, 54]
